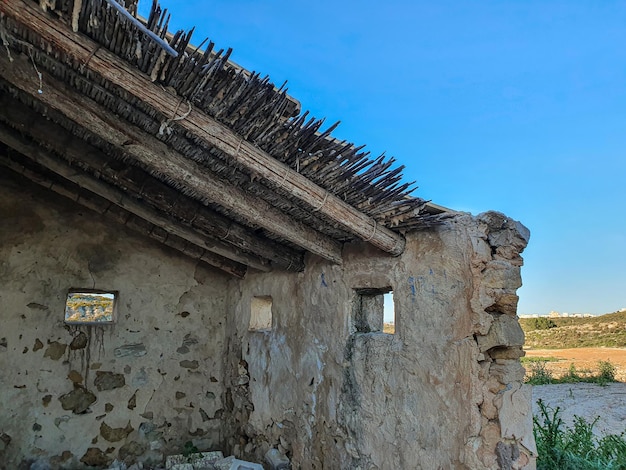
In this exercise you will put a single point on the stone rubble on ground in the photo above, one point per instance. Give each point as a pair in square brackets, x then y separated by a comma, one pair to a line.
[198, 460]
[213, 460]
[277, 460]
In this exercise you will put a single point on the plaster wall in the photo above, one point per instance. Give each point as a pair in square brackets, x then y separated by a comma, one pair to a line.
[444, 391]
[180, 364]
[155, 377]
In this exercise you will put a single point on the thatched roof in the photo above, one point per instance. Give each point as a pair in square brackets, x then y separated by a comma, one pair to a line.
[182, 144]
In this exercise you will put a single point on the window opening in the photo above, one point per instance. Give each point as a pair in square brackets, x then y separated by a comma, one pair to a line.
[389, 313]
[260, 313]
[374, 311]
[88, 306]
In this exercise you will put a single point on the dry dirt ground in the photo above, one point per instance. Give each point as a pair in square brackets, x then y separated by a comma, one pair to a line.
[589, 401]
[584, 359]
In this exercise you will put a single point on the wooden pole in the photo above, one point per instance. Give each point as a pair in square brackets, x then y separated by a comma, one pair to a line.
[83, 197]
[159, 158]
[120, 199]
[136, 182]
[112, 68]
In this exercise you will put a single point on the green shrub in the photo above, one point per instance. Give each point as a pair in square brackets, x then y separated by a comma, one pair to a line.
[542, 323]
[572, 375]
[561, 448]
[538, 374]
[607, 372]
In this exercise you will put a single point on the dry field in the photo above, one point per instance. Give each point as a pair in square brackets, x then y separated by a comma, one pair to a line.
[584, 359]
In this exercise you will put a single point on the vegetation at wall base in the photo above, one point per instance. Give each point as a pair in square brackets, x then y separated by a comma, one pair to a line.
[577, 448]
[538, 374]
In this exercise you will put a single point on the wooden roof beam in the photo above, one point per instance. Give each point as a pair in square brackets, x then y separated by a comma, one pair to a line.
[164, 198]
[256, 161]
[137, 224]
[153, 154]
[42, 157]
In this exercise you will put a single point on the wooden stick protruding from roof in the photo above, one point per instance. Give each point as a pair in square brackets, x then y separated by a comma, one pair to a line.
[152, 154]
[105, 207]
[110, 67]
[133, 181]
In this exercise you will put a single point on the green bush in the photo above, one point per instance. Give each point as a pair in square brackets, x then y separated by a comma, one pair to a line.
[538, 374]
[572, 375]
[542, 323]
[607, 372]
[562, 448]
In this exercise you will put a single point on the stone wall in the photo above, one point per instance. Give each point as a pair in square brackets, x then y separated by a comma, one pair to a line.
[321, 383]
[444, 391]
[136, 390]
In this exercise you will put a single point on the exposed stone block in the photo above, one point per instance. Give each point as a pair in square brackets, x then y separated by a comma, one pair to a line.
[134, 350]
[276, 460]
[95, 457]
[37, 306]
[78, 400]
[189, 364]
[516, 416]
[506, 455]
[500, 274]
[231, 463]
[106, 380]
[504, 331]
[504, 231]
[75, 377]
[55, 350]
[79, 341]
[507, 353]
[115, 434]
[131, 450]
[503, 302]
[507, 371]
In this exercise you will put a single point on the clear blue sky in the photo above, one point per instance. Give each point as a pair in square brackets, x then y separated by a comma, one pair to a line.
[515, 106]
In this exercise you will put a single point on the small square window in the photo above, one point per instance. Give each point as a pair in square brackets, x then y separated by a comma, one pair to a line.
[261, 313]
[88, 306]
[374, 311]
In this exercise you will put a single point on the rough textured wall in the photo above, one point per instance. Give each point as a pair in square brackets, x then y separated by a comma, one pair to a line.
[135, 390]
[443, 392]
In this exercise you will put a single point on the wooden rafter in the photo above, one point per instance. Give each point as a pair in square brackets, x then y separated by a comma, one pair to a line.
[123, 200]
[102, 205]
[215, 229]
[256, 161]
[156, 156]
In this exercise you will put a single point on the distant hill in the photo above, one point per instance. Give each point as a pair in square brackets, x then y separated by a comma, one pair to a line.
[555, 333]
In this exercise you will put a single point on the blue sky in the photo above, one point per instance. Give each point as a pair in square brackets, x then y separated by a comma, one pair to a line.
[513, 106]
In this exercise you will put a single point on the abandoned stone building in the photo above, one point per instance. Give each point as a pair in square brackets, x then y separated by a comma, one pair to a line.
[239, 256]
